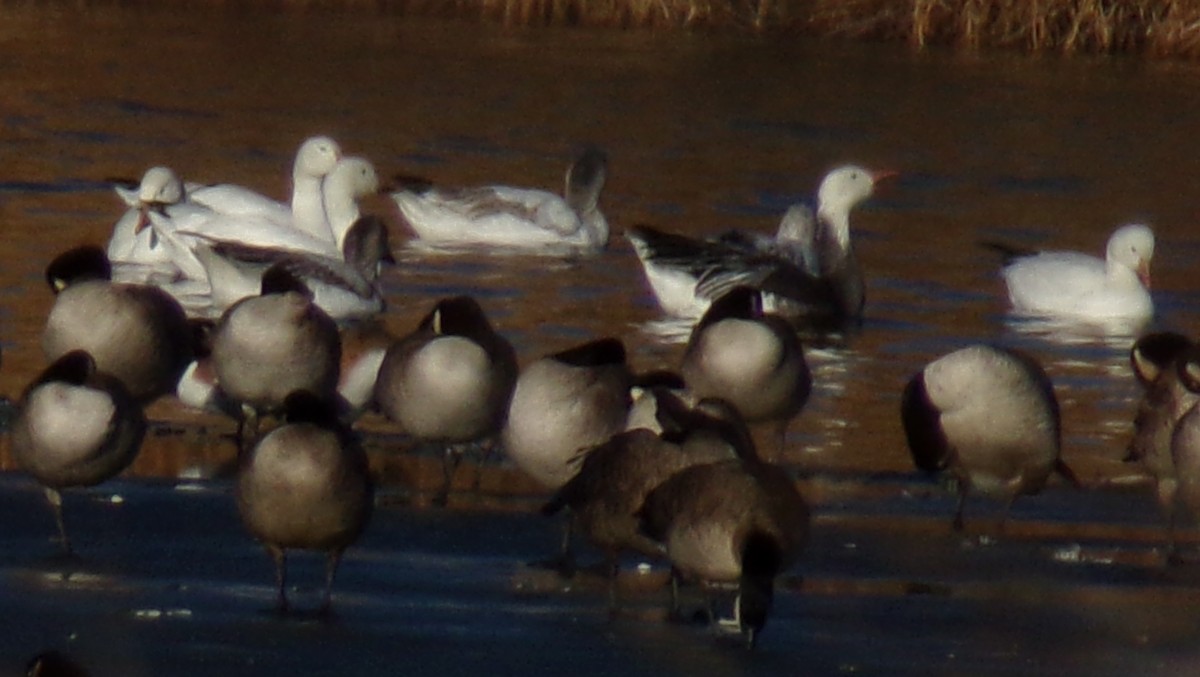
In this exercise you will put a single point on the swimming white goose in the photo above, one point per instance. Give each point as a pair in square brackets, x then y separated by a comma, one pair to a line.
[990, 418]
[521, 218]
[75, 427]
[352, 179]
[808, 271]
[228, 213]
[315, 159]
[137, 333]
[1079, 286]
[133, 245]
[346, 287]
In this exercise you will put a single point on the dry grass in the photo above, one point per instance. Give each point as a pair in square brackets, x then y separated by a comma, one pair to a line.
[1158, 27]
[1155, 27]
[1162, 28]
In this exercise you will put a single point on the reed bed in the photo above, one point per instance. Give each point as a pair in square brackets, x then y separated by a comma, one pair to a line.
[1159, 28]
[1163, 28]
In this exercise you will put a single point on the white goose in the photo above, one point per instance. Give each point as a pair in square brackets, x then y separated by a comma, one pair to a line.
[315, 159]
[1072, 285]
[809, 270]
[520, 218]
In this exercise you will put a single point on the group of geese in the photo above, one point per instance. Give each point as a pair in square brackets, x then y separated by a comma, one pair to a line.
[236, 302]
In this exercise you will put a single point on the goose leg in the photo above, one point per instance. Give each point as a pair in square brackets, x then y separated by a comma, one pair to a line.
[279, 557]
[331, 566]
[55, 499]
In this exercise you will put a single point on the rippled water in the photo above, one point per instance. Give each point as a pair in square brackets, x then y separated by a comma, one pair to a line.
[704, 133]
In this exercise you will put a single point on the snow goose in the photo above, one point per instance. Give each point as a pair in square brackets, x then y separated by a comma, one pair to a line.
[347, 287]
[315, 159]
[808, 271]
[305, 485]
[137, 333]
[1073, 285]
[353, 178]
[75, 427]
[520, 218]
[990, 418]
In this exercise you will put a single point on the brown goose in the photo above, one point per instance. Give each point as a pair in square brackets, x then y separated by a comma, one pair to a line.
[137, 333]
[75, 427]
[305, 485]
[989, 417]
[1163, 363]
[615, 477]
[450, 381]
[735, 522]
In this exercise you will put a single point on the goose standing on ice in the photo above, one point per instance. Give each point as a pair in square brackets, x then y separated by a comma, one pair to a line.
[990, 418]
[518, 218]
[75, 427]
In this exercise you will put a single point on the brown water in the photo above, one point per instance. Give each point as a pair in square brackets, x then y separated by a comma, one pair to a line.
[704, 133]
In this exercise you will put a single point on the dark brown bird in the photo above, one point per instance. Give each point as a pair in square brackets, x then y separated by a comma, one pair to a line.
[305, 485]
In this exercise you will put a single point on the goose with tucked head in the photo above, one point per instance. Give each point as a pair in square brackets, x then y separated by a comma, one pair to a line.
[137, 333]
[305, 486]
[988, 416]
[266, 347]
[75, 427]
[753, 360]
[450, 381]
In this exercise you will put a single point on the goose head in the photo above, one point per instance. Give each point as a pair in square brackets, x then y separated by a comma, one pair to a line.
[317, 157]
[1131, 247]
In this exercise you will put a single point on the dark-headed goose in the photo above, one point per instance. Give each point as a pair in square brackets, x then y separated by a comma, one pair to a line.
[305, 485]
[266, 347]
[989, 417]
[450, 381]
[751, 359]
[1165, 363]
[614, 478]
[564, 403]
[134, 332]
[519, 218]
[736, 522]
[75, 427]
